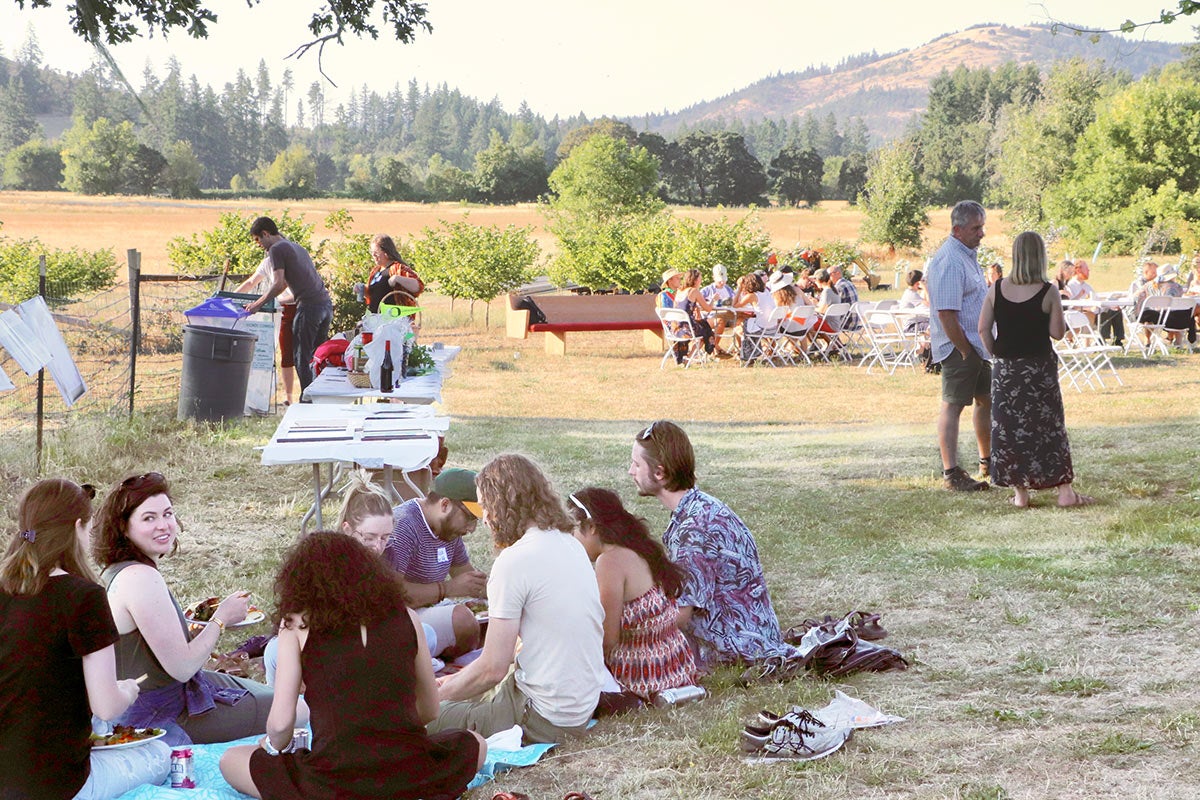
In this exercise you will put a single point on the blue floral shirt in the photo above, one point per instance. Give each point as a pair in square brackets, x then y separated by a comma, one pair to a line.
[733, 618]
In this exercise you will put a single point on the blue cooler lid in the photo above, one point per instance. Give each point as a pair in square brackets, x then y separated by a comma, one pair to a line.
[221, 307]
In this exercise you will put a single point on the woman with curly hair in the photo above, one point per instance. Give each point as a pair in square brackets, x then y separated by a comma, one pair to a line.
[138, 527]
[643, 646]
[57, 663]
[542, 589]
[347, 637]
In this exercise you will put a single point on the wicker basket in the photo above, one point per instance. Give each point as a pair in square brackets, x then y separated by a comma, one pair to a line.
[360, 380]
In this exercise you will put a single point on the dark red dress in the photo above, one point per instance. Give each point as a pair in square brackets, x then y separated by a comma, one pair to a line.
[367, 741]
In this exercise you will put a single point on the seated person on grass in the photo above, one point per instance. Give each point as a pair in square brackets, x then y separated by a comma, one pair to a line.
[426, 548]
[542, 589]
[725, 607]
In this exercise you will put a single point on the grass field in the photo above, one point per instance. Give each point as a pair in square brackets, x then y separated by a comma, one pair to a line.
[1051, 650]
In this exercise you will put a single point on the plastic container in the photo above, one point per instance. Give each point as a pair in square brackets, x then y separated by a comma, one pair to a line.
[216, 371]
[216, 312]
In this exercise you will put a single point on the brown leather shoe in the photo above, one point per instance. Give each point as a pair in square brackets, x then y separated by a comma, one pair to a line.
[960, 481]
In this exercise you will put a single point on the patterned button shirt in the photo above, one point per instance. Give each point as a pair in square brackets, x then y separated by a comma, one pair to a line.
[733, 618]
[955, 283]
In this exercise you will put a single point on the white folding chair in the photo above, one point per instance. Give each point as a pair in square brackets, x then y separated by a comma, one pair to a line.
[1083, 354]
[794, 332]
[1178, 304]
[890, 346]
[677, 330]
[1151, 324]
[831, 326]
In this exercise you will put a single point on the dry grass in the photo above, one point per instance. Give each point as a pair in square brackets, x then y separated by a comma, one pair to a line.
[1051, 651]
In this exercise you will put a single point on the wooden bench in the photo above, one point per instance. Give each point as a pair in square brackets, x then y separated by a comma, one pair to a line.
[592, 312]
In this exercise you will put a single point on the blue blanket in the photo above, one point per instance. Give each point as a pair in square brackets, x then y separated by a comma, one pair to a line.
[211, 786]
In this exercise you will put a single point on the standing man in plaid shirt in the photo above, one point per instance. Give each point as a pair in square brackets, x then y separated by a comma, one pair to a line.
[956, 293]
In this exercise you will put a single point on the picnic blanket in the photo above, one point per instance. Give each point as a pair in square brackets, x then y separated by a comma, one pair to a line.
[210, 785]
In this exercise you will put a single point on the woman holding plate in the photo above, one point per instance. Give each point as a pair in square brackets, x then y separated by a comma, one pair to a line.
[57, 665]
[138, 527]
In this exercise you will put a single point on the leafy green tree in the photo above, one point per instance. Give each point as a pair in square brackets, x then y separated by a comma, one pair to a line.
[293, 173]
[796, 176]
[347, 260]
[852, 176]
[97, 159]
[741, 246]
[34, 166]
[444, 181]
[472, 262]
[893, 199]
[602, 190]
[605, 126]
[1136, 167]
[507, 174]
[145, 170]
[17, 122]
[1034, 144]
[181, 175]
[721, 170]
[73, 272]
[380, 178]
[229, 246]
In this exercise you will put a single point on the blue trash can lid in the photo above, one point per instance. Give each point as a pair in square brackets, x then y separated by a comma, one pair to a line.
[216, 307]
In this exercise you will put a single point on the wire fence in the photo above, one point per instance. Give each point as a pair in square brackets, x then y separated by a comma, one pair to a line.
[126, 343]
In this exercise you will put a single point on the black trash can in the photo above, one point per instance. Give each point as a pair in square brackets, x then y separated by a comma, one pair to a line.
[216, 370]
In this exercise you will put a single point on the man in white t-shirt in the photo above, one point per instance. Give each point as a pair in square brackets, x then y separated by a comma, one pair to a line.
[542, 589]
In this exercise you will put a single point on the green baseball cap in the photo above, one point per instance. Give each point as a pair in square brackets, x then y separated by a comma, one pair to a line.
[459, 484]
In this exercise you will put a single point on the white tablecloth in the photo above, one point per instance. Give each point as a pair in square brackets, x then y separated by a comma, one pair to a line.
[332, 385]
[322, 434]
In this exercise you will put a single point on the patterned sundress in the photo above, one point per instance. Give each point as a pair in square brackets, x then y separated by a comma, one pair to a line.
[653, 654]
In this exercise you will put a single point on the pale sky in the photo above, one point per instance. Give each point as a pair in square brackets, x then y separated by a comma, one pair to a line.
[617, 57]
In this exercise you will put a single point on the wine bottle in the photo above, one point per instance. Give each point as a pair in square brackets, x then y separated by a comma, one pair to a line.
[386, 381]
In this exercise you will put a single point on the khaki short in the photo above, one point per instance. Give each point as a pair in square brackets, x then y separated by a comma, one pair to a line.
[498, 710]
[965, 380]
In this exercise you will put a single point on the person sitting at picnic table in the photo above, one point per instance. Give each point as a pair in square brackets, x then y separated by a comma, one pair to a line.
[784, 294]
[57, 660]
[1079, 289]
[426, 548]
[138, 527]
[1066, 271]
[644, 648]
[1177, 320]
[390, 274]
[720, 294]
[691, 300]
[348, 641]
[806, 285]
[542, 590]
[753, 304]
[725, 607]
[668, 288]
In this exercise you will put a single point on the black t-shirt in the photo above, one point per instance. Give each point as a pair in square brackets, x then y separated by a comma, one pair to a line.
[45, 718]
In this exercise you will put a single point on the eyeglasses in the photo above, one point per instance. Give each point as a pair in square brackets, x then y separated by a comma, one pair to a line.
[133, 481]
[587, 514]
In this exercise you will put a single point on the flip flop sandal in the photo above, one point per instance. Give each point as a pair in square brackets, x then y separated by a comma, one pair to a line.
[1078, 501]
[867, 626]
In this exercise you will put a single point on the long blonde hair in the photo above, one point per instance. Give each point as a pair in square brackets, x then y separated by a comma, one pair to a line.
[45, 537]
[1029, 259]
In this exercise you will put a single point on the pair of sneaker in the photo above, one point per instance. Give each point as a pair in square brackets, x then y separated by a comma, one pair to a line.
[796, 736]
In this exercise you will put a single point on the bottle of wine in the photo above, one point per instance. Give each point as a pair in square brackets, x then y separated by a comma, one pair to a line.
[386, 380]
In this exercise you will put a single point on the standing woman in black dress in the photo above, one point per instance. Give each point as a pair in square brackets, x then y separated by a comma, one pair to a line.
[360, 654]
[1029, 433]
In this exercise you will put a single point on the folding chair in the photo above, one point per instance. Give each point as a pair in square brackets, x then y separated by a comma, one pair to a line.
[1159, 306]
[677, 330]
[800, 320]
[771, 343]
[831, 324]
[1084, 354]
[1178, 304]
[890, 346]
[854, 337]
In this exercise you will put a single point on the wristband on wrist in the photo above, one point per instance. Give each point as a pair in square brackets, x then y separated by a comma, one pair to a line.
[220, 626]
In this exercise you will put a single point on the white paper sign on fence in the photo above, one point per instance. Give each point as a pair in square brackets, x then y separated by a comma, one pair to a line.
[260, 388]
[22, 343]
[36, 315]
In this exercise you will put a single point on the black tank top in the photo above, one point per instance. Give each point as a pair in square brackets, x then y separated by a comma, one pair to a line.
[1022, 329]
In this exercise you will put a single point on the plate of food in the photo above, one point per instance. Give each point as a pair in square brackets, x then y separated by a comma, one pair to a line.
[200, 613]
[126, 736]
[478, 606]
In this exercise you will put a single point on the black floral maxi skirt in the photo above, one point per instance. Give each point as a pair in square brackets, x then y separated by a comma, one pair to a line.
[1029, 435]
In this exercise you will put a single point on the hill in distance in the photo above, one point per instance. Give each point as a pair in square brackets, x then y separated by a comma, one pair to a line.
[887, 90]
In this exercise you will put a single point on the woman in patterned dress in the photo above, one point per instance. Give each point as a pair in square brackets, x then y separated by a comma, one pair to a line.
[643, 647]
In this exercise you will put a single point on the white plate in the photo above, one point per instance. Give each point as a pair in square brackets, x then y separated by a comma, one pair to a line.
[161, 733]
[252, 618]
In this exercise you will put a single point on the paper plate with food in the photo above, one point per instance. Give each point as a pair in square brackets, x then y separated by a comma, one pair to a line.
[201, 613]
[126, 736]
[478, 606]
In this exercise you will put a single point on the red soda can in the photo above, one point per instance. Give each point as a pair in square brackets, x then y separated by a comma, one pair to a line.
[181, 768]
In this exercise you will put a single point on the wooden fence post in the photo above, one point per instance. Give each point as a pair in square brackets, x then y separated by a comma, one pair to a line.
[41, 379]
[134, 258]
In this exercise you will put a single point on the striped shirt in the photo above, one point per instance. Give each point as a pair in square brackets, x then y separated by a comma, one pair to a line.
[955, 283]
[413, 550]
